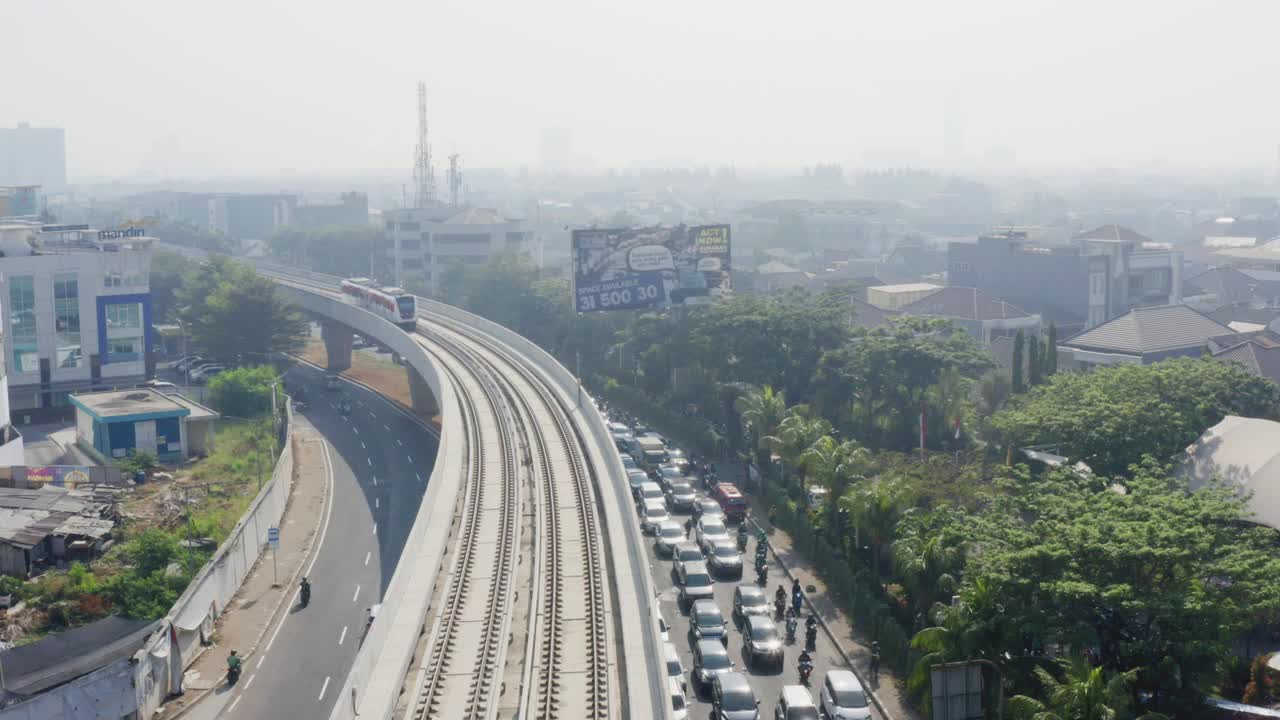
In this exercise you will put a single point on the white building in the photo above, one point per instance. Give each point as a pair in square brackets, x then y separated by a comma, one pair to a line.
[33, 156]
[428, 242]
[77, 313]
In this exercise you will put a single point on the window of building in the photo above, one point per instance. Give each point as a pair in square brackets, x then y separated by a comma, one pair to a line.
[410, 244]
[391, 224]
[411, 226]
[515, 238]
[960, 267]
[124, 349]
[411, 263]
[461, 239]
[66, 313]
[22, 323]
[124, 316]
[113, 279]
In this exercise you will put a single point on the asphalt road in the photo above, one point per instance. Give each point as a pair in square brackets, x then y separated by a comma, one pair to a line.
[381, 461]
[767, 683]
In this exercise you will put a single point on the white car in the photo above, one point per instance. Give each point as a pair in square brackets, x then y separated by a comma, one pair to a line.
[667, 536]
[205, 372]
[842, 697]
[652, 514]
[711, 530]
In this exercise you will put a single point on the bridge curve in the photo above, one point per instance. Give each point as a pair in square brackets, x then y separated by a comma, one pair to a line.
[380, 677]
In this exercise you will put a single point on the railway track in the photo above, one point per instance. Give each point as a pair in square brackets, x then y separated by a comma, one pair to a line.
[568, 671]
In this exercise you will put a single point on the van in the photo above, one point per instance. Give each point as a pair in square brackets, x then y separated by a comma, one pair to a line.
[731, 501]
[795, 704]
[679, 706]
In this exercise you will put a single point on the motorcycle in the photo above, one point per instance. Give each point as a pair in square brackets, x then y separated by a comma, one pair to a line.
[796, 601]
[806, 669]
[762, 576]
[791, 629]
[233, 670]
[779, 607]
[306, 594]
[742, 542]
[811, 637]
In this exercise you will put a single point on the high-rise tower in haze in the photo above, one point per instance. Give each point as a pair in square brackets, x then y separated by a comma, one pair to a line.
[33, 156]
[424, 176]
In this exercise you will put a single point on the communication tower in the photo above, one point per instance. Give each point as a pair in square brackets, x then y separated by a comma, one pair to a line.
[424, 175]
[455, 178]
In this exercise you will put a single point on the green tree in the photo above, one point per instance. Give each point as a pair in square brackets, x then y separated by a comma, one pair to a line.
[169, 271]
[1035, 366]
[874, 509]
[1084, 693]
[1019, 342]
[1110, 417]
[152, 551]
[797, 433]
[231, 311]
[761, 412]
[337, 250]
[243, 392]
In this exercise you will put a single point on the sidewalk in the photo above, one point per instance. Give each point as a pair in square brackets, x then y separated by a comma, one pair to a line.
[890, 690]
[259, 602]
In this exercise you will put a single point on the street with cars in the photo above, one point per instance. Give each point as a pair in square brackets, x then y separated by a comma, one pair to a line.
[727, 648]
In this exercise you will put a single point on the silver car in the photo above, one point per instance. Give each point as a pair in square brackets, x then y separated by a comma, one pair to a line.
[761, 643]
[695, 582]
[652, 514]
[681, 495]
[723, 558]
[842, 697]
[710, 658]
[706, 622]
[711, 529]
[668, 535]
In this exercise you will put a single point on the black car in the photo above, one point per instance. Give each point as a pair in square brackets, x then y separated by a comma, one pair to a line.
[723, 558]
[710, 658]
[761, 643]
[706, 622]
[732, 698]
[749, 600]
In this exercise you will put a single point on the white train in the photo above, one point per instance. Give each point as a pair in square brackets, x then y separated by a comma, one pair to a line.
[391, 303]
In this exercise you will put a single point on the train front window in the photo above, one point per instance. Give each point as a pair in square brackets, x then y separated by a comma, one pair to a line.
[406, 306]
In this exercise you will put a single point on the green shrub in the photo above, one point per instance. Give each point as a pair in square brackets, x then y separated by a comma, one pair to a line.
[243, 392]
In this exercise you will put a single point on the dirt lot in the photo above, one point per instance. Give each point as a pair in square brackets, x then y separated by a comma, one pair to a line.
[376, 371]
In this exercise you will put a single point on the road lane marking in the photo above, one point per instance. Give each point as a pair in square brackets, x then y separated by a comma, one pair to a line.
[362, 445]
[375, 481]
[250, 682]
[356, 430]
[323, 688]
[385, 427]
[260, 661]
[343, 636]
[234, 704]
[375, 528]
[360, 403]
[376, 504]
[419, 476]
[346, 419]
[410, 458]
[399, 443]
[372, 414]
[370, 461]
[366, 557]
[356, 595]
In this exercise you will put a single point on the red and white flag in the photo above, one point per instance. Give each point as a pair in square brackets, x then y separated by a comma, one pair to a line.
[957, 428]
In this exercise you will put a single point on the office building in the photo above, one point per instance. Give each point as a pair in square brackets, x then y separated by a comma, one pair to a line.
[1101, 274]
[352, 209]
[33, 156]
[895, 297]
[425, 243]
[77, 313]
[250, 217]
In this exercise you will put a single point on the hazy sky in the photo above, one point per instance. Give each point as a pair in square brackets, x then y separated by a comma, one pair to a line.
[254, 87]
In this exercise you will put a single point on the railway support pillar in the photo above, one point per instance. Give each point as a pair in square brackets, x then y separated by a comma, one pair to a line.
[424, 401]
[337, 345]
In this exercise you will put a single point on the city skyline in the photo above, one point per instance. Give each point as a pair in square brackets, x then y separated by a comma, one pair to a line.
[1026, 84]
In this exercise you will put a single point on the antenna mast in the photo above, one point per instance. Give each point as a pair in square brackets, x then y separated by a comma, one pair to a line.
[424, 175]
[455, 178]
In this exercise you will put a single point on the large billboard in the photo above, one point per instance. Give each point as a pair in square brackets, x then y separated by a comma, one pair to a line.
[656, 267]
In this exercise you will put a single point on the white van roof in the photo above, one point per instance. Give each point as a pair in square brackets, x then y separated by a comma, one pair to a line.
[797, 696]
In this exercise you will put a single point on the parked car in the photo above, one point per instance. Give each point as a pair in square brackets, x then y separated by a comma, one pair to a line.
[723, 558]
[159, 385]
[679, 704]
[711, 529]
[666, 537]
[706, 621]
[681, 496]
[842, 697]
[761, 642]
[749, 600]
[695, 582]
[710, 658]
[187, 361]
[652, 514]
[204, 373]
[732, 698]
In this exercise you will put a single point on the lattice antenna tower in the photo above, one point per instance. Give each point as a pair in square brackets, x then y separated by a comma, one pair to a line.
[424, 176]
[455, 178]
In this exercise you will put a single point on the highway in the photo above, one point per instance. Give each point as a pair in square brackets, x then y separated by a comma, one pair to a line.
[380, 461]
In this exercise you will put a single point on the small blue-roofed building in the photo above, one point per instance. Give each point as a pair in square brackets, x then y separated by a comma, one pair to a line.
[111, 424]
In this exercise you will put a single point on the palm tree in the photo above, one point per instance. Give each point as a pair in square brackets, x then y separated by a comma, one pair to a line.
[797, 432]
[926, 560]
[761, 412]
[1084, 693]
[875, 509]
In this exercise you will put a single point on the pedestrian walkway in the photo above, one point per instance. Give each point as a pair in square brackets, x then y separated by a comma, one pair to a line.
[855, 646]
[270, 588]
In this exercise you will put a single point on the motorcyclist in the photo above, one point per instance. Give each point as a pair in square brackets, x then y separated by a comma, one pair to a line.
[875, 658]
[742, 536]
[233, 666]
[810, 631]
[797, 598]
[306, 592]
[792, 621]
[780, 600]
[805, 665]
